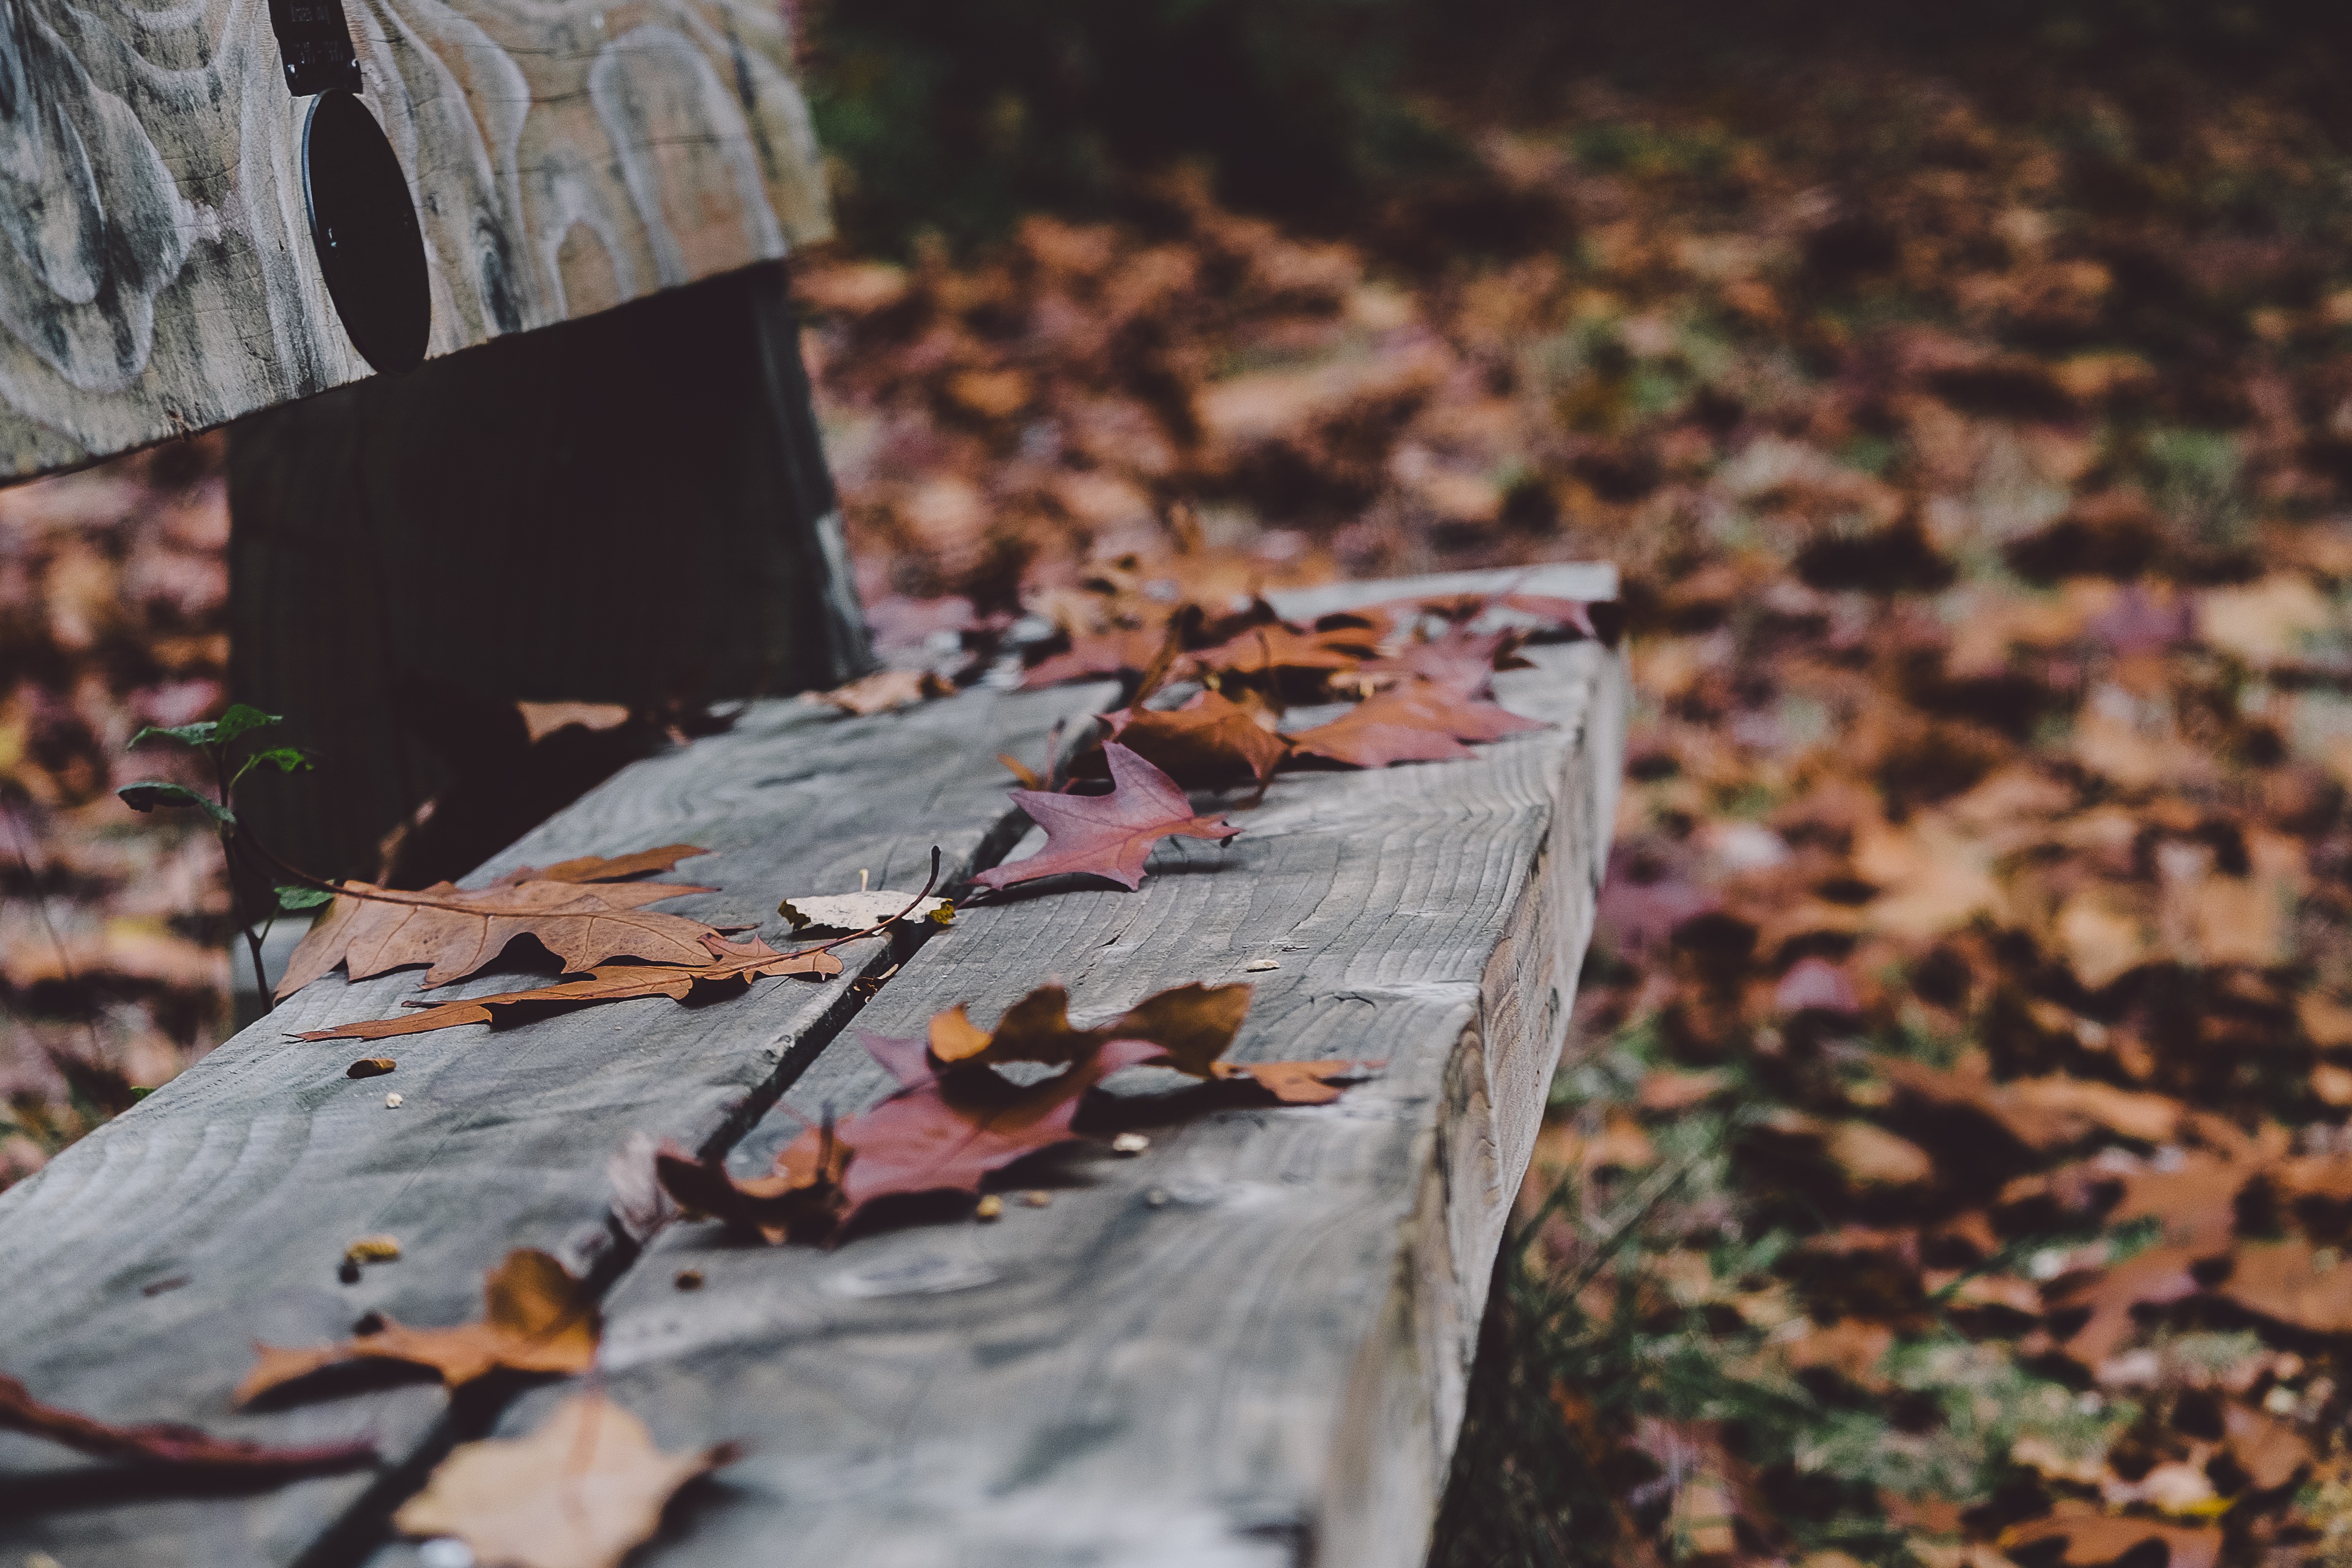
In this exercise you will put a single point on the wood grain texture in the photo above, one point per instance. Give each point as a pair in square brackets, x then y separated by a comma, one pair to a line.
[1249, 1345]
[144, 1260]
[156, 276]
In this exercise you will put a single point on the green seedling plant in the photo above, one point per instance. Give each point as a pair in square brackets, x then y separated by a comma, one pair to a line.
[225, 744]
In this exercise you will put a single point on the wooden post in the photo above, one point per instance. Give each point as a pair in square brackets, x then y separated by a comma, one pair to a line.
[623, 508]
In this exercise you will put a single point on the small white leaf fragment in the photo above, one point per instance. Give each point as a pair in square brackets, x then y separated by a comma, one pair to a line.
[1130, 1144]
[1256, 966]
[391, 1101]
[860, 911]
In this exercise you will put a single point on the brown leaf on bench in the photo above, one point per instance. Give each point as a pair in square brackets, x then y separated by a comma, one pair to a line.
[1210, 741]
[1263, 650]
[1107, 835]
[1192, 1026]
[537, 1318]
[885, 690]
[582, 1492]
[167, 1443]
[740, 962]
[1418, 723]
[579, 917]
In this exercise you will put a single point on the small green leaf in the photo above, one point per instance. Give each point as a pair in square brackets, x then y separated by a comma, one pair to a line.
[285, 758]
[239, 718]
[236, 721]
[140, 1091]
[197, 734]
[150, 793]
[291, 897]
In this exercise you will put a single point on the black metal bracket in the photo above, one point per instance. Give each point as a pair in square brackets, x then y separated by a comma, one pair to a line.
[314, 41]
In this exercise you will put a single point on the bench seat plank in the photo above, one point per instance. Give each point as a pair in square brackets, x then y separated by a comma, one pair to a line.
[142, 1262]
[1248, 1345]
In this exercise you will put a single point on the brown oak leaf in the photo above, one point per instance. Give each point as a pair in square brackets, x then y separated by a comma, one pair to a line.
[1263, 650]
[2158, 1277]
[580, 920]
[167, 1443]
[885, 690]
[2290, 1283]
[1107, 835]
[1211, 739]
[603, 868]
[739, 963]
[1191, 1027]
[1418, 723]
[582, 1492]
[536, 1318]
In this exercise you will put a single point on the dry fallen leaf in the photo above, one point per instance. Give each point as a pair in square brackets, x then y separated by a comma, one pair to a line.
[738, 964]
[582, 1492]
[885, 690]
[167, 1443]
[1210, 741]
[2094, 1539]
[536, 1318]
[2156, 1277]
[1107, 835]
[1417, 723]
[1261, 649]
[955, 1119]
[579, 919]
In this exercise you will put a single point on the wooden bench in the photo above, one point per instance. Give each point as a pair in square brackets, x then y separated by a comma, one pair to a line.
[1247, 1345]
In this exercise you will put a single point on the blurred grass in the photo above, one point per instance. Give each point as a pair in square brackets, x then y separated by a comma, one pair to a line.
[956, 118]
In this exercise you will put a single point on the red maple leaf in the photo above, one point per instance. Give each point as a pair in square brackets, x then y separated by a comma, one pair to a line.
[1107, 835]
[1417, 723]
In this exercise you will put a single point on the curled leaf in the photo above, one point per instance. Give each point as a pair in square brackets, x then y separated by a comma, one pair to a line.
[536, 1318]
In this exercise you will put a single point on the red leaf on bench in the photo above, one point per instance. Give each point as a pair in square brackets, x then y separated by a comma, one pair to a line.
[167, 1443]
[1107, 835]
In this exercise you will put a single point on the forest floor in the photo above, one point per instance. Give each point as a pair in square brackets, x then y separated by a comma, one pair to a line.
[1950, 1164]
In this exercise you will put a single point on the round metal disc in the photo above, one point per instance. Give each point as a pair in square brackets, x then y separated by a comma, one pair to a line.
[363, 227]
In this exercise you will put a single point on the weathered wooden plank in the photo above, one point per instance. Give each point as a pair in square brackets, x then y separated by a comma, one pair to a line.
[157, 275]
[1248, 1345]
[144, 1260]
